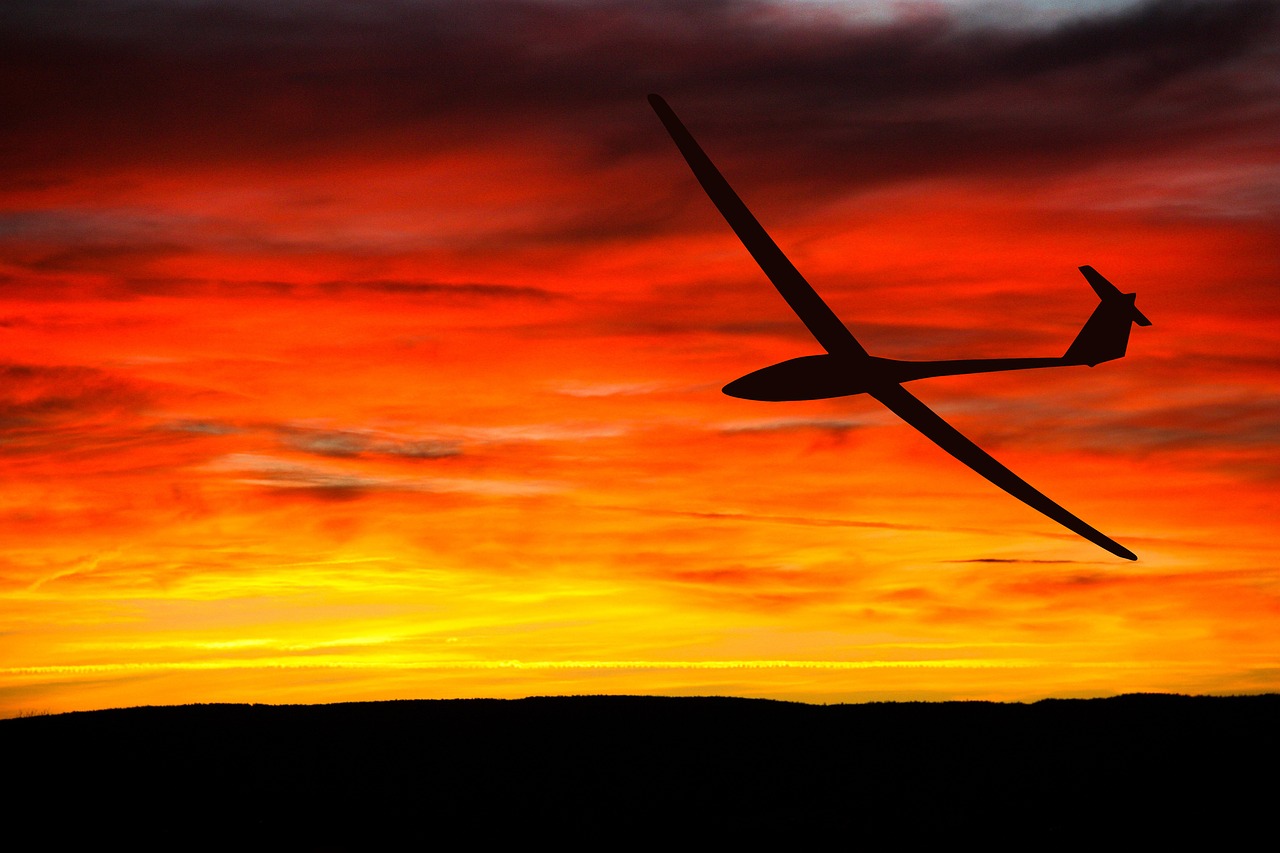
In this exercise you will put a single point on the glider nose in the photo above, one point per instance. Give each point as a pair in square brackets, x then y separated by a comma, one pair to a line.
[810, 377]
[740, 388]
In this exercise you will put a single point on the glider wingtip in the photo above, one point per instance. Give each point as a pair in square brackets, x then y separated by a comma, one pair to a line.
[1121, 551]
[656, 101]
[1106, 543]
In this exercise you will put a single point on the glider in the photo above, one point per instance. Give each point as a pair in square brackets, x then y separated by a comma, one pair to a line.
[847, 368]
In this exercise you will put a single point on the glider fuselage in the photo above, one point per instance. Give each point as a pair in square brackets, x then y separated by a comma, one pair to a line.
[821, 377]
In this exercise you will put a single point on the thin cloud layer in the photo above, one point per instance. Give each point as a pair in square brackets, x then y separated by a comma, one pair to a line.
[276, 473]
[351, 443]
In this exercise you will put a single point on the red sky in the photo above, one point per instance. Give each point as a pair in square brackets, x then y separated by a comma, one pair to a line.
[363, 351]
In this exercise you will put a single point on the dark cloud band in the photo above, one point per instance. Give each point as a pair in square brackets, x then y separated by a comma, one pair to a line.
[159, 83]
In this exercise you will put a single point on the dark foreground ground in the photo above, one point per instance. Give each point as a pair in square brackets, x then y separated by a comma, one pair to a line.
[597, 771]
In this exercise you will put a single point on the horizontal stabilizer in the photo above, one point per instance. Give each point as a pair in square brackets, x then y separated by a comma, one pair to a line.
[1105, 335]
[1106, 289]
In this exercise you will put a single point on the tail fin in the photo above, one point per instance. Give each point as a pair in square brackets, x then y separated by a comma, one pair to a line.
[1105, 335]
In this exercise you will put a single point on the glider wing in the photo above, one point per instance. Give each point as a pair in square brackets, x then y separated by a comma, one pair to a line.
[802, 298]
[904, 405]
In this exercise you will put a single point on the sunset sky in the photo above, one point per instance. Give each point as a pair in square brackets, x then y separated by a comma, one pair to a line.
[374, 350]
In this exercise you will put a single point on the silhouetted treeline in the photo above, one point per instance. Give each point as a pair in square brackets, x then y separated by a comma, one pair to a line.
[598, 770]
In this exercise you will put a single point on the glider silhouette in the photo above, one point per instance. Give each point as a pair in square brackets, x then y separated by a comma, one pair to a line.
[848, 369]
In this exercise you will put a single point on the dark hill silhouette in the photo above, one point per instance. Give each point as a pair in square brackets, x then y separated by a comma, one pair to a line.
[597, 769]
